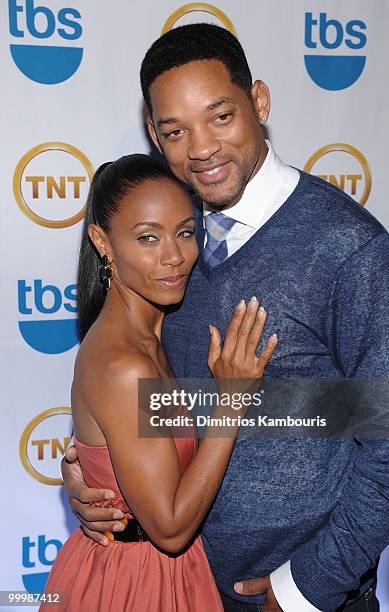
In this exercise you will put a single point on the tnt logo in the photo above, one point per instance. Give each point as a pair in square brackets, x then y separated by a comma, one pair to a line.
[343, 166]
[51, 183]
[184, 14]
[38, 551]
[51, 61]
[47, 334]
[340, 70]
[43, 444]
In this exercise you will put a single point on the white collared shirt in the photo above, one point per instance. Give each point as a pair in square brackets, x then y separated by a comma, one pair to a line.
[263, 196]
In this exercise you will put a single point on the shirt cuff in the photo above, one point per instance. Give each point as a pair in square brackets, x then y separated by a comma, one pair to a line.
[289, 598]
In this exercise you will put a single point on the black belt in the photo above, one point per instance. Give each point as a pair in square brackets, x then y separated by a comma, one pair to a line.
[133, 532]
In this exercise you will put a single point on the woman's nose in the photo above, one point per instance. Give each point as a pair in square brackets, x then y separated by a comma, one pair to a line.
[171, 254]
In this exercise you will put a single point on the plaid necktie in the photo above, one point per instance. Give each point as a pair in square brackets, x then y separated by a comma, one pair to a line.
[218, 227]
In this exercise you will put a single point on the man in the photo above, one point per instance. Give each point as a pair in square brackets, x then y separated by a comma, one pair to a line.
[298, 524]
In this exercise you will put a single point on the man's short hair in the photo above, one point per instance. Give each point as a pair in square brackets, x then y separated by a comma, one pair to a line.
[188, 43]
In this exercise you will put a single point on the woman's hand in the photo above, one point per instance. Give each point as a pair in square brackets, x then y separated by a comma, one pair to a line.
[237, 358]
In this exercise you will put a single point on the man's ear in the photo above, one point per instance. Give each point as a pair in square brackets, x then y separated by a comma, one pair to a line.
[153, 133]
[260, 96]
[97, 235]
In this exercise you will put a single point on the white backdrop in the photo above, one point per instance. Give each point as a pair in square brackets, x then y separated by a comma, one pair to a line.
[71, 100]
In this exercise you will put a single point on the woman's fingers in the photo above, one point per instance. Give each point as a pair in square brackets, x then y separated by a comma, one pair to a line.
[245, 329]
[215, 348]
[256, 333]
[266, 354]
[232, 329]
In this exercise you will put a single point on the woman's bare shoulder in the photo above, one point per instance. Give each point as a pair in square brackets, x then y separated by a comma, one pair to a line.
[111, 365]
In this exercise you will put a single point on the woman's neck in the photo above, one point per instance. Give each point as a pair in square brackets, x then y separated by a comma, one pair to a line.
[141, 318]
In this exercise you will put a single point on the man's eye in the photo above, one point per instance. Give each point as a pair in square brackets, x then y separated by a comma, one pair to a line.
[173, 134]
[147, 238]
[224, 117]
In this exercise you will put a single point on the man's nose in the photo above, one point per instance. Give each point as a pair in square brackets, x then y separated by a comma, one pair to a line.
[203, 144]
[171, 253]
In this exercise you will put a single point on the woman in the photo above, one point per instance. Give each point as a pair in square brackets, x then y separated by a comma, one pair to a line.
[138, 241]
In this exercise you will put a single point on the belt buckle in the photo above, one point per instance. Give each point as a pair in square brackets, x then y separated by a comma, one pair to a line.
[140, 532]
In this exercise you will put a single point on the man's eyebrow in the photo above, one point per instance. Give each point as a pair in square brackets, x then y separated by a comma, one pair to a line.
[172, 120]
[219, 102]
[167, 121]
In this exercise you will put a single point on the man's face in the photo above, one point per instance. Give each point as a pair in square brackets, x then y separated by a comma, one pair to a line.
[208, 129]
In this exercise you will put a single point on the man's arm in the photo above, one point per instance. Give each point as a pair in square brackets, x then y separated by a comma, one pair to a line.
[332, 563]
[94, 521]
[327, 567]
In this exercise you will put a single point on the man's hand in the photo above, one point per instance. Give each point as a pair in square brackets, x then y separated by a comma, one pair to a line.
[256, 586]
[97, 523]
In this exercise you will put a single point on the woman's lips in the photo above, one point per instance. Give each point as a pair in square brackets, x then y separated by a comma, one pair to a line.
[172, 282]
[216, 174]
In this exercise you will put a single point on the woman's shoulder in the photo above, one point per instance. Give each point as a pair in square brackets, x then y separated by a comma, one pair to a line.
[114, 363]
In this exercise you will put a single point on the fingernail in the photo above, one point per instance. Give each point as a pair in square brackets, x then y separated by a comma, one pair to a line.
[253, 300]
[241, 305]
[261, 312]
[109, 495]
[118, 515]
[118, 527]
[274, 337]
[104, 542]
[238, 586]
[210, 329]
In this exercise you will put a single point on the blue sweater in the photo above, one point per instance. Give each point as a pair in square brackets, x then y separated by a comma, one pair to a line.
[320, 266]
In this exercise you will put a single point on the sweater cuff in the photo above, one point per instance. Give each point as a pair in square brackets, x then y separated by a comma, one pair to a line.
[289, 598]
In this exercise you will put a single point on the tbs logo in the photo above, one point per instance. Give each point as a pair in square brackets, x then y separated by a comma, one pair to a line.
[44, 63]
[38, 551]
[41, 327]
[338, 71]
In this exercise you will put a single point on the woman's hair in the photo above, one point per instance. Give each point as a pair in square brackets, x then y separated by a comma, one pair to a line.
[110, 184]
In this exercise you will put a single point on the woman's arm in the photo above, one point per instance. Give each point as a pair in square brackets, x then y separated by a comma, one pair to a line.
[169, 507]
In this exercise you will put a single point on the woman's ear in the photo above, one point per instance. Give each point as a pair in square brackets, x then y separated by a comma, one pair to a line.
[261, 100]
[98, 237]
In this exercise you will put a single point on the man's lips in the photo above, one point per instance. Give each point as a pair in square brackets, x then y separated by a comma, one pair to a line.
[212, 174]
[172, 282]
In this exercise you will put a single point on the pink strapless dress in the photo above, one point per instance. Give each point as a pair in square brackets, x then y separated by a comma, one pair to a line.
[128, 576]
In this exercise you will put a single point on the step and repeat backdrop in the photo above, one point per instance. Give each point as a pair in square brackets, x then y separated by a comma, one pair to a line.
[71, 100]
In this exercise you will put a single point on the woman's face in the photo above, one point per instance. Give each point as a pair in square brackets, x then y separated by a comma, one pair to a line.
[152, 241]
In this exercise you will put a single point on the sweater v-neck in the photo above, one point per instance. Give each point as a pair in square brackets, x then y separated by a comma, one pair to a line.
[241, 252]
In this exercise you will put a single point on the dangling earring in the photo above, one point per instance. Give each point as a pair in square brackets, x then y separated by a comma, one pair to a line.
[106, 273]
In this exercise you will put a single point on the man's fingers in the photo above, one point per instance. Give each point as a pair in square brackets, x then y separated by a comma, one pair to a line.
[92, 513]
[253, 586]
[214, 346]
[89, 496]
[71, 454]
[100, 538]
[101, 526]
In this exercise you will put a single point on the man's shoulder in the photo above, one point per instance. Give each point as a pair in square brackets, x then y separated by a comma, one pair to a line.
[333, 212]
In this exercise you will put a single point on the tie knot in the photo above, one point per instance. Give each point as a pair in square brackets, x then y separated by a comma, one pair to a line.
[218, 225]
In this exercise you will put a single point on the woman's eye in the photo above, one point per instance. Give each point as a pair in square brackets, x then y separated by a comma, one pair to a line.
[187, 233]
[148, 238]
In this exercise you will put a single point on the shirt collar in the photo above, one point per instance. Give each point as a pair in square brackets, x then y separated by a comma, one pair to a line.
[264, 185]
